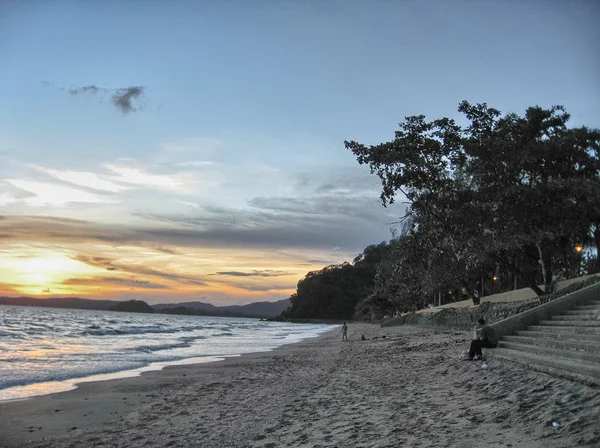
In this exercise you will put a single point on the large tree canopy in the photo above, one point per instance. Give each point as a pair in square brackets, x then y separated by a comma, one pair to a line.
[334, 291]
[515, 192]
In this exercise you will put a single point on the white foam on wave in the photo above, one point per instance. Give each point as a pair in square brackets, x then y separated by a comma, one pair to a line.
[52, 387]
[56, 356]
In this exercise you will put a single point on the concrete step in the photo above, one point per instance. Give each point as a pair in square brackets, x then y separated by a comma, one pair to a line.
[587, 307]
[575, 355]
[572, 323]
[584, 372]
[571, 337]
[556, 329]
[564, 344]
[588, 316]
[591, 313]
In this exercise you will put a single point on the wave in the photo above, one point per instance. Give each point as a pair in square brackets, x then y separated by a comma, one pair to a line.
[156, 348]
[24, 380]
[92, 331]
[191, 338]
[76, 344]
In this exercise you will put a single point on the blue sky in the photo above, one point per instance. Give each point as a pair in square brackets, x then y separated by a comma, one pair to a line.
[236, 154]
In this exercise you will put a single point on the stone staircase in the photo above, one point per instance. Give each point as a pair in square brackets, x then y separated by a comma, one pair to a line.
[567, 345]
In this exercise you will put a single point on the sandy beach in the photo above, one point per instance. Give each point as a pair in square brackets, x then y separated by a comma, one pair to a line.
[407, 389]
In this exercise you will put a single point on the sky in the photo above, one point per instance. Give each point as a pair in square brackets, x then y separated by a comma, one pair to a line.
[194, 150]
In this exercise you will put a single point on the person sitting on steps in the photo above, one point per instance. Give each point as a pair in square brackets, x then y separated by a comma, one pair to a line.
[487, 339]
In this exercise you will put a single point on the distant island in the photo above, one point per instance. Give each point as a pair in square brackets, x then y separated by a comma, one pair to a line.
[256, 309]
[133, 306]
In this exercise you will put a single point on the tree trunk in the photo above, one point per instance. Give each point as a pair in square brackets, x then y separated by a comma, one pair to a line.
[514, 274]
[470, 293]
[391, 300]
[533, 285]
[597, 240]
[544, 274]
[481, 275]
[527, 279]
[546, 270]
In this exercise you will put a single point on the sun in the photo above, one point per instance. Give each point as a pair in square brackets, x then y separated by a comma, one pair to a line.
[41, 271]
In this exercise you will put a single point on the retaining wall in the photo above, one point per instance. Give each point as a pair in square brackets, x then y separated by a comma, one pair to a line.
[544, 312]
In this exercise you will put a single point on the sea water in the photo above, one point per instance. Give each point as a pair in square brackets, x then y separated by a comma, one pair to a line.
[46, 350]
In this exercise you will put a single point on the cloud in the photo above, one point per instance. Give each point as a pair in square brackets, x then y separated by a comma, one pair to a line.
[9, 288]
[339, 181]
[84, 179]
[329, 188]
[86, 89]
[196, 163]
[265, 288]
[165, 250]
[179, 182]
[102, 281]
[264, 273]
[112, 265]
[366, 208]
[123, 98]
[273, 223]
[189, 204]
[193, 145]
[6, 199]
[45, 193]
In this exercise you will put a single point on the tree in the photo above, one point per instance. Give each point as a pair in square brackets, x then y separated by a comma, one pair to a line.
[334, 291]
[518, 191]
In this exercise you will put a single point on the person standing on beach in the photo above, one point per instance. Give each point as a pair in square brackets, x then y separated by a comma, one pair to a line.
[344, 332]
[487, 339]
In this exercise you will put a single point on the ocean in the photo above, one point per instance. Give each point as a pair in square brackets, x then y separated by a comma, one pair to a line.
[47, 350]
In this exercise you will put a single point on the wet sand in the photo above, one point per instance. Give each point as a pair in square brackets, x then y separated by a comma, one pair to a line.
[409, 389]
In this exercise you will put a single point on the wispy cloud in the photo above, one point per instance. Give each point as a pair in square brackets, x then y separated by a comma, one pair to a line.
[196, 163]
[179, 182]
[351, 226]
[6, 199]
[194, 145]
[189, 204]
[265, 288]
[125, 99]
[45, 193]
[84, 179]
[113, 265]
[85, 89]
[9, 288]
[264, 273]
[103, 281]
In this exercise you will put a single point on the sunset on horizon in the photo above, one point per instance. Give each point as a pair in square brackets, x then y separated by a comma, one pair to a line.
[299, 223]
[196, 150]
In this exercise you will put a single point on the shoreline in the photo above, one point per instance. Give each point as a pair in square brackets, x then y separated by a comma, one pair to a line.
[409, 389]
[91, 386]
[41, 389]
[57, 387]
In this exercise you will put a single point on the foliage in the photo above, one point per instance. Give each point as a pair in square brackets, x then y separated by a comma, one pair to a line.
[571, 288]
[509, 196]
[333, 292]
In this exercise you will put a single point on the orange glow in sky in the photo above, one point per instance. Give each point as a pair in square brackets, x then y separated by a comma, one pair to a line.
[183, 274]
